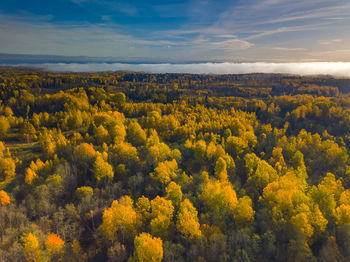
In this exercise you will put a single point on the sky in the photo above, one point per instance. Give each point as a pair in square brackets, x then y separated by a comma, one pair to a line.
[179, 31]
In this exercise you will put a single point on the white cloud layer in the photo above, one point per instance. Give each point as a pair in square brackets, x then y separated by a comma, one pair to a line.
[337, 69]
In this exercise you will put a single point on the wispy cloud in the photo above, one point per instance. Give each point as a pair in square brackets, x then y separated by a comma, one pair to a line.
[289, 49]
[329, 42]
[233, 44]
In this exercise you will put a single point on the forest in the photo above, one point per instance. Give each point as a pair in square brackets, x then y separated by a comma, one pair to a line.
[125, 166]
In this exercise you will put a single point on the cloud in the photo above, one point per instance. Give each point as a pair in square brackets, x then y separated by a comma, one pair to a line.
[329, 42]
[286, 29]
[337, 69]
[232, 44]
[289, 49]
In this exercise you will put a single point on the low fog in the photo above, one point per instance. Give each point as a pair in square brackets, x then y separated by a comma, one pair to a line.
[338, 69]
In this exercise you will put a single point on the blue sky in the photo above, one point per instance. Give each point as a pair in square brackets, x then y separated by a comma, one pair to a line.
[179, 31]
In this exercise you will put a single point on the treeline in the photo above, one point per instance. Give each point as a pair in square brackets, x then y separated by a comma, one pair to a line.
[166, 167]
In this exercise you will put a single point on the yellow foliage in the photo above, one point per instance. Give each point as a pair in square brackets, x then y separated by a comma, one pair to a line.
[174, 193]
[333, 186]
[147, 248]
[165, 171]
[120, 216]
[159, 226]
[161, 206]
[301, 221]
[4, 198]
[31, 247]
[2, 149]
[318, 220]
[84, 191]
[220, 169]
[284, 196]
[143, 206]
[219, 195]
[30, 176]
[187, 220]
[54, 244]
[101, 135]
[84, 154]
[244, 212]
[7, 170]
[345, 197]
[102, 169]
[162, 213]
[342, 214]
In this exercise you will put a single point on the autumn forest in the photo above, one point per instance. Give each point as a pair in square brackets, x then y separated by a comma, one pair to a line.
[124, 166]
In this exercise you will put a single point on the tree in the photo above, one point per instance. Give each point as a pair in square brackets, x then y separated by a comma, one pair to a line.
[187, 220]
[31, 247]
[7, 171]
[117, 132]
[4, 126]
[4, 198]
[236, 145]
[84, 155]
[244, 212]
[120, 216]
[165, 172]
[220, 169]
[84, 191]
[120, 99]
[259, 173]
[101, 135]
[148, 248]
[28, 131]
[102, 169]
[161, 213]
[30, 176]
[342, 214]
[219, 196]
[174, 193]
[135, 134]
[54, 245]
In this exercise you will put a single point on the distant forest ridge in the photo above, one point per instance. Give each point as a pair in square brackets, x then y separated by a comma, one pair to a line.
[137, 84]
[139, 64]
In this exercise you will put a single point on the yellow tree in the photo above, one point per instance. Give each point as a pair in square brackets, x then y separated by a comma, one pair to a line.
[30, 176]
[7, 171]
[120, 216]
[220, 169]
[219, 196]
[84, 154]
[148, 248]
[174, 193]
[143, 206]
[244, 212]
[31, 247]
[101, 135]
[84, 191]
[165, 171]
[187, 220]
[54, 245]
[342, 214]
[4, 198]
[259, 173]
[102, 169]
[135, 134]
[161, 214]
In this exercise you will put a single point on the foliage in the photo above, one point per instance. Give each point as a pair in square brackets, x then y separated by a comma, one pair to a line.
[126, 166]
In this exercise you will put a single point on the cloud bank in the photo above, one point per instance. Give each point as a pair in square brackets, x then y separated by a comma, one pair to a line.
[337, 69]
